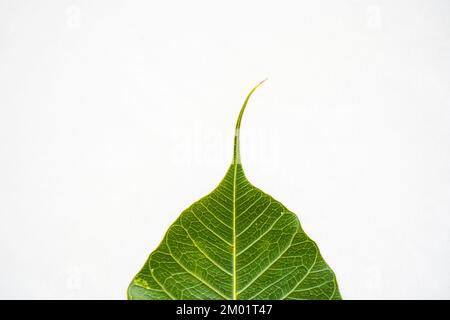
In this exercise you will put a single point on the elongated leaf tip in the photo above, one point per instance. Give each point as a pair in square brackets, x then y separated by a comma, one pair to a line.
[236, 148]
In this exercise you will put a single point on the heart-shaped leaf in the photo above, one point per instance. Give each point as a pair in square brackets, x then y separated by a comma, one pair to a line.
[235, 243]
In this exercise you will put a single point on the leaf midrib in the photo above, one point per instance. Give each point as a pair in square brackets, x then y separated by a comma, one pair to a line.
[236, 162]
[234, 293]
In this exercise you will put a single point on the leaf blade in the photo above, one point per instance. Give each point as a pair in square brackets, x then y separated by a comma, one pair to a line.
[235, 243]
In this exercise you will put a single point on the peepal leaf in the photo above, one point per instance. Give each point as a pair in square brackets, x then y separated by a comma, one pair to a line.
[236, 243]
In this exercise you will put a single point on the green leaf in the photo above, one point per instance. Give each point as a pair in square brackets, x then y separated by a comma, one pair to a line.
[236, 243]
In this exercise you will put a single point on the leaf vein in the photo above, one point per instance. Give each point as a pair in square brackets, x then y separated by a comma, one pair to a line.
[216, 234]
[194, 275]
[204, 253]
[265, 269]
[262, 235]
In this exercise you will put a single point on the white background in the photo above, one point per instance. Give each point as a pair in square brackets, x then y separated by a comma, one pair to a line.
[117, 115]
